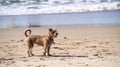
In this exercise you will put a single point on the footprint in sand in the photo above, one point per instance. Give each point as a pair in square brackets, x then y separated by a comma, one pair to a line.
[12, 40]
[86, 40]
[25, 60]
[1, 59]
[58, 48]
[91, 46]
[41, 66]
[30, 65]
[42, 59]
[65, 37]
[63, 59]
[95, 55]
[78, 43]
[104, 42]
[21, 40]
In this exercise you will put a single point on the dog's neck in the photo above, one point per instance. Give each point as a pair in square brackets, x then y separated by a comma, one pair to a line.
[50, 37]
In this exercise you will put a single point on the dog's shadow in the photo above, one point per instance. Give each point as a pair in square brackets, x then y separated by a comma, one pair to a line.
[63, 56]
[68, 56]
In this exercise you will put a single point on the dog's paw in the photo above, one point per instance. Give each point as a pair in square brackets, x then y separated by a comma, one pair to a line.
[32, 54]
[49, 55]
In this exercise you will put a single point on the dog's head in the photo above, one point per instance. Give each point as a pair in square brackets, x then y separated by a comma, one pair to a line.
[53, 32]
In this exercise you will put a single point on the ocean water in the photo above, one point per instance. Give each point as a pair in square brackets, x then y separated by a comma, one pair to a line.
[62, 19]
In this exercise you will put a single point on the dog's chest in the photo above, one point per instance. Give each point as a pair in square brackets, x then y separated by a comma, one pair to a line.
[50, 41]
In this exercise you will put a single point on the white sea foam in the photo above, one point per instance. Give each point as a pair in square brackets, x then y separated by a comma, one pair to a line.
[22, 9]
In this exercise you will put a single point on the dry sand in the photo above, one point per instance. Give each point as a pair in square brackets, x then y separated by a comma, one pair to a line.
[97, 46]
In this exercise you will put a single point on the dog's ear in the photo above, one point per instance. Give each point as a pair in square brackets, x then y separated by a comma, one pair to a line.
[50, 29]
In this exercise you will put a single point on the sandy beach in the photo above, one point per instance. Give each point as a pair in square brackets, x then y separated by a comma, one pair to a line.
[85, 46]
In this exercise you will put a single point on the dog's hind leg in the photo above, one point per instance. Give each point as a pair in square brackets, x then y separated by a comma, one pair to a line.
[30, 46]
[29, 53]
[28, 49]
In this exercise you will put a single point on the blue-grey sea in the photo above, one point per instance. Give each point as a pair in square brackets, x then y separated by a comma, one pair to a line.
[105, 17]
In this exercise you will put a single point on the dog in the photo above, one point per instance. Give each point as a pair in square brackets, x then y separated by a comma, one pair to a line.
[46, 40]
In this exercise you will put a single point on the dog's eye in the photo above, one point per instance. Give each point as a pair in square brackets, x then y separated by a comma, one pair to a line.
[53, 31]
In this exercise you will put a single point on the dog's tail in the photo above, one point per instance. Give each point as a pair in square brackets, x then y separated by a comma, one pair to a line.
[26, 32]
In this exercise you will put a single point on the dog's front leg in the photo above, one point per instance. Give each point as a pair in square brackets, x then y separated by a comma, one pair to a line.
[44, 53]
[45, 48]
[48, 51]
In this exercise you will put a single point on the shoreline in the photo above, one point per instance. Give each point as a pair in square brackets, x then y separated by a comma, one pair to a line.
[65, 26]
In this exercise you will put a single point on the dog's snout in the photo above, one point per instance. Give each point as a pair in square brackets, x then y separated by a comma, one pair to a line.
[56, 33]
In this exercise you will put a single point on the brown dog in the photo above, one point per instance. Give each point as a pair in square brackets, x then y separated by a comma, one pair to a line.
[45, 40]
